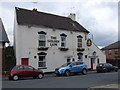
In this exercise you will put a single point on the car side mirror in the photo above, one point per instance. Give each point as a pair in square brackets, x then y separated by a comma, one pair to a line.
[70, 65]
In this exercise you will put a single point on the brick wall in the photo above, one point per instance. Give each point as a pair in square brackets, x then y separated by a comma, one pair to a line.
[112, 55]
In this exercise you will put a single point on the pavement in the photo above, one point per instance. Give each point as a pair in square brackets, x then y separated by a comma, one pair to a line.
[115, 86]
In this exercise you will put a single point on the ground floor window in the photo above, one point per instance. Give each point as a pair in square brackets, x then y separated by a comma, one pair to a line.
[41, 61]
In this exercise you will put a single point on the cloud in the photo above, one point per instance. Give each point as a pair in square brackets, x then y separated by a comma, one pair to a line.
[98, 16]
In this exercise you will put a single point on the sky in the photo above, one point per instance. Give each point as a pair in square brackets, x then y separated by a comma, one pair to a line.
[100, 17]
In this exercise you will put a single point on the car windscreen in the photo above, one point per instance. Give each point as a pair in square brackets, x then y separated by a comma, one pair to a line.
[101, 65]
[66, 64]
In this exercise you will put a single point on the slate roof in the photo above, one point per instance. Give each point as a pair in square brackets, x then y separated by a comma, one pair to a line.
[115, 45]
[37, 18]
[3, 35]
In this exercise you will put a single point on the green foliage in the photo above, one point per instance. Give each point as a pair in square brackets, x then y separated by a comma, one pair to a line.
[10, 61]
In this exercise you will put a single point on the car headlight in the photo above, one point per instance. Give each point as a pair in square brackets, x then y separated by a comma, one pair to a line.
[104, 68]
[61, 69]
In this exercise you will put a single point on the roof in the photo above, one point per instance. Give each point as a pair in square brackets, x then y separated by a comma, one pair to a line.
[3, 35]
[37, 18]
[115, 45]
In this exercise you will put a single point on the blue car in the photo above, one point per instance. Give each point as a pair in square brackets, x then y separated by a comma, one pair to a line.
[72, 67]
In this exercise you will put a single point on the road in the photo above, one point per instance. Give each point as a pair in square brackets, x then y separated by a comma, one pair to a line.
[92, 79]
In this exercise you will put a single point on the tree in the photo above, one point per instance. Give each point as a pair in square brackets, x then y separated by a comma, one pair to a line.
[10, 61]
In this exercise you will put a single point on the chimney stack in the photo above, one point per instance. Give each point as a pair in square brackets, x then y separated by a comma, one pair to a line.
[72, 16]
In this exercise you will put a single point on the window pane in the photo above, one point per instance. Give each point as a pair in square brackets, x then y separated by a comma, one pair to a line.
[30, 68]
[41, 64]
[79, 40]
[79, 44]
[41, 58]
[41, 43]
[109, 51]
[21, 68]
[116, 51]
[62, 44]
[42, 37]
[63, 38]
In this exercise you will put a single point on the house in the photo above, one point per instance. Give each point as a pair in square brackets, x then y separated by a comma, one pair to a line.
[112, 52]
[47, 41]
[3, 40]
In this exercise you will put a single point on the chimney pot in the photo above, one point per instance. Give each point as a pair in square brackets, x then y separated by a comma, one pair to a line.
[72, 16]
[34, 9]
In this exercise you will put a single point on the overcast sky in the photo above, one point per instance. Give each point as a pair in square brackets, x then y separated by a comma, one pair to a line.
[100, 17]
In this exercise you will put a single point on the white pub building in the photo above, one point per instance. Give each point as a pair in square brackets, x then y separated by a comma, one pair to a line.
[46, 41]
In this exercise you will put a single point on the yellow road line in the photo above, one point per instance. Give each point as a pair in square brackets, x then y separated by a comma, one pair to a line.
[107, 86]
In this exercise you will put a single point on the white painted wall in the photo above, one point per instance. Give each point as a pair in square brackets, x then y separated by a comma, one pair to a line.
[100, 55]
[26, 46]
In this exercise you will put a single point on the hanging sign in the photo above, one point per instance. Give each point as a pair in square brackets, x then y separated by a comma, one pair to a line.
[89, 42]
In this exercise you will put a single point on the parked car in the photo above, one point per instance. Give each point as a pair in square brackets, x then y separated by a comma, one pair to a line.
[106, 67]
[24, 71]
[71, 67]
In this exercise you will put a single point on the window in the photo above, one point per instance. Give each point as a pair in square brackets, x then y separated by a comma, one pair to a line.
[109, 52]
[79, 63]
[79, 41]
[42, 39]
[21, 68]
[116, 51]
[30, 68]
[63, 41]
[73, 64]
[42, 61]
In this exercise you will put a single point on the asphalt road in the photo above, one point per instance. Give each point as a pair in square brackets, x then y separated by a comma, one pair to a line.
[92, 79]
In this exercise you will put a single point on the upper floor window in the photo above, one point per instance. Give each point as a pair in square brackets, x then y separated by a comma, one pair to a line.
[116, 51]
[79, 41]
[109, 51]
[42, 39]
[63, 40]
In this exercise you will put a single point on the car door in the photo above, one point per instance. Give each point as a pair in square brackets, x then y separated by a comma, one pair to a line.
[111, 67]
[30, 71]
[74, 67]
[21, 71]
[80, 66]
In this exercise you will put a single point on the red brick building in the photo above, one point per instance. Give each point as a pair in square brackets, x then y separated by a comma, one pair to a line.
[112, 52]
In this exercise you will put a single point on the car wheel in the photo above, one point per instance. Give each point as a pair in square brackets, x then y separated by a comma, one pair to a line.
[15, 77]
[116, 70]
[40, 75]
[67, 73]
[84, 71]
[98, 71]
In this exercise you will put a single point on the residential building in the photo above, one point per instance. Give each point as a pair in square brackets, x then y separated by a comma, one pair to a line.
[3, 40]
[112, 52]
[47, 41]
